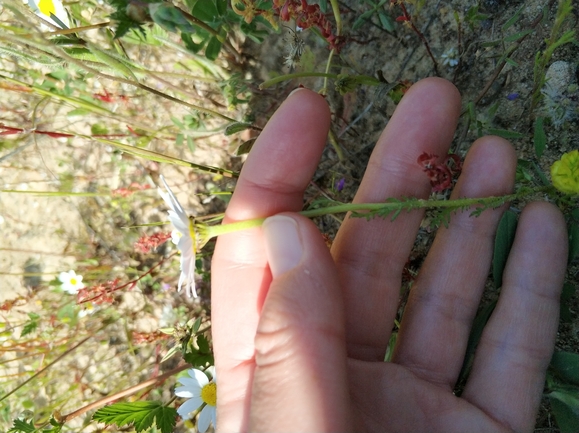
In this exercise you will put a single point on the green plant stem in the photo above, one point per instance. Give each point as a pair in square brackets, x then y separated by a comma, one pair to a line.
[61, 53]
[338, 18]
[324, 90]
[208, 232]
[286, 77]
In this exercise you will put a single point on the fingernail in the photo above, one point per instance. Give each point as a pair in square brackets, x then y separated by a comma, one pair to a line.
[283, 245]
[295, 91]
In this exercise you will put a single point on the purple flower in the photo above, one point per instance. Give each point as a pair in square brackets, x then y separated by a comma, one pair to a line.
[512, 96]
[340, 184]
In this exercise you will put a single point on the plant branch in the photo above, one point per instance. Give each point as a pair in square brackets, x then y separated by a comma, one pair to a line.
[43, 370]
[121, 394]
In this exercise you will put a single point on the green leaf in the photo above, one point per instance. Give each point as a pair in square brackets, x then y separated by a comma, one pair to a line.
[513, 19]
[539, 137]
[476, 331]
[213, 48]
[505, 133]
[503, 242]
[386, 21]
[236, 127]
[518, 36]
[565, 314]
[511, 62]
[170, 18]
[31, 325]
[245, 147]
[362, 19]
[190, 144]
[205, 10]
[190, 45]
[566, 366]
[565, 406]
[20, 426]
[139, 413]
[221, 7]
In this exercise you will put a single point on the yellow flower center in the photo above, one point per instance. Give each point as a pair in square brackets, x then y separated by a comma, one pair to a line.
[209, 394]
[193, 234]
[73, 281]
[47, 7]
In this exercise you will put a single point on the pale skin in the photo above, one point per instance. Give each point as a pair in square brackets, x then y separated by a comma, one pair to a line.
[300, 331]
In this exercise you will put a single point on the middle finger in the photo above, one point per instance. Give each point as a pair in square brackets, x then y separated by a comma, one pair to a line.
[370, 255]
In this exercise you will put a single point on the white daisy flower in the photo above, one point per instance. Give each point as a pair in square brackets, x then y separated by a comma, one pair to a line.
[50, 10]
[71, 283]
[199, 391]
[184, 237]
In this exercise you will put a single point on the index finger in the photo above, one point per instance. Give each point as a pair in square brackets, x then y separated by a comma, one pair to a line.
[272, 180]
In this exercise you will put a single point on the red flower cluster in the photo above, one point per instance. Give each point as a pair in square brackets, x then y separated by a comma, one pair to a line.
[147, 243]
[99, 294]
[307, 16]
[125, 192]
[442, 173]
[148, 337]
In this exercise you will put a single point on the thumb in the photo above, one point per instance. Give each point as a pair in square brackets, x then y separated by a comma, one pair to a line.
[300, 355]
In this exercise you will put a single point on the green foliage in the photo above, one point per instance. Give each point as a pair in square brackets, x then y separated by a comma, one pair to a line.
[539, 137]
[141, 414]
[202, 355]
[568, 292]
[234, 128]
[21, 426]
[170, 18]
[503, 242]
[473, 17]
[385, 20]
[556, 40]
[483, 123]
[130, 15]
[31, 325]
[563, 387]
[476, 331]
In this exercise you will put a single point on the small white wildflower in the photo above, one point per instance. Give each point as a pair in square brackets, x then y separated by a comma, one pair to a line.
[88, 309]
[198, 390]
[50, 10]
[450, 57]
[296, 49]
[71, 283]
[184, 237]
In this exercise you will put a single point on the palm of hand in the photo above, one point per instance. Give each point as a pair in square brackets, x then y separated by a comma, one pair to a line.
[304, 351]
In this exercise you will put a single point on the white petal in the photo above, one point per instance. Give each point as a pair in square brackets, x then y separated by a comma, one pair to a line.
[191, 384]
[189, 406]
[170, 198]
[211, 371]
[180, 223]
[186, 392]
[198, 376]
[206, 416]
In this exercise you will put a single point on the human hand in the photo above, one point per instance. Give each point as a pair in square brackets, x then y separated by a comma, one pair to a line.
[300, 334]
